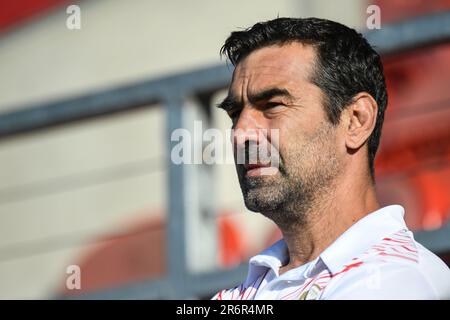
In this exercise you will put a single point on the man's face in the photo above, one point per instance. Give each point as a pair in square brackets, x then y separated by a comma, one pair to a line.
[271, 90]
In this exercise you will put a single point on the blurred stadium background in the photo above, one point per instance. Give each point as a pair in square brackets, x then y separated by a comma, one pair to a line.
[85, 122]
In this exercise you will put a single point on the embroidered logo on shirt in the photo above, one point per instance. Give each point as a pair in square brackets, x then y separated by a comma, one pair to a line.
[311, 294]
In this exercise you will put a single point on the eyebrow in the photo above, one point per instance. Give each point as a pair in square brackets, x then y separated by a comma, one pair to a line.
[228, 103]
[231, 101]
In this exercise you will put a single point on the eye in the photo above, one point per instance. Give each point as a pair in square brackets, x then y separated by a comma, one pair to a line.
[273, 104]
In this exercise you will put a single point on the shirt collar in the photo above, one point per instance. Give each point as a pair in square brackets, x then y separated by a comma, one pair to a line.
[273, 257]
[353, 242]
[362, 235]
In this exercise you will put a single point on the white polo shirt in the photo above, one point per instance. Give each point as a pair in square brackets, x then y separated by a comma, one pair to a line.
[376, 258]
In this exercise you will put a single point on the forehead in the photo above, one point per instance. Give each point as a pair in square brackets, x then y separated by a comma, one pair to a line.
[275, 65]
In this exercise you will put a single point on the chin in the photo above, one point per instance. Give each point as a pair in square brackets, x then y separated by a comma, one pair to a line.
[262, 199]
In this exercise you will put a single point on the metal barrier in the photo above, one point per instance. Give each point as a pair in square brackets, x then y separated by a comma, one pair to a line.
[174, 92]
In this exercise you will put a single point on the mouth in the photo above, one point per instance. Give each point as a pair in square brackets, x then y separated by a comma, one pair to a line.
[252, 170]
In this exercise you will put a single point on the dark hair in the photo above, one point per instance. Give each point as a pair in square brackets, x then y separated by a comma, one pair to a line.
[346, 64]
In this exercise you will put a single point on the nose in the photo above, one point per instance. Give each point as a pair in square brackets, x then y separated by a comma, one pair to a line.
[248, 127]
[249, 135]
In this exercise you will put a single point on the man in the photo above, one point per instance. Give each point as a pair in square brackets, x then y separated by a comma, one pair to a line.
[321, 85]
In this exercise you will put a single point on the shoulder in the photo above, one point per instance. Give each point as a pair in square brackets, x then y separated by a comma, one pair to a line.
[397, 267]
[435, 270]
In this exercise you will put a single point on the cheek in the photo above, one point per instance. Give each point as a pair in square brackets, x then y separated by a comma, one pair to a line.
[292, 133]
[302, 133]
[291, 147]
[298, 121]
[309, 149]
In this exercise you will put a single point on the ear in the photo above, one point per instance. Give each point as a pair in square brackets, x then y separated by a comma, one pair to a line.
[362, 117]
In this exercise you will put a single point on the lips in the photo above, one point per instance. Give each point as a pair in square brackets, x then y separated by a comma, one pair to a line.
[255, 166]
[253, 170]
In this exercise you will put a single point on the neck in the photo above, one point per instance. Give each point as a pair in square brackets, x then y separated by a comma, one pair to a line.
[330, 215]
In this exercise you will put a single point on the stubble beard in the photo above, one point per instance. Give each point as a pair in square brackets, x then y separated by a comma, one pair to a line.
[304, 181]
